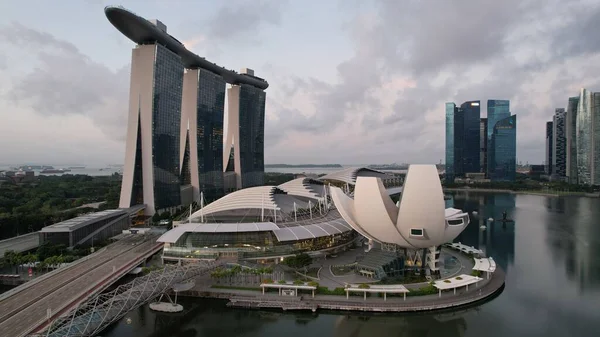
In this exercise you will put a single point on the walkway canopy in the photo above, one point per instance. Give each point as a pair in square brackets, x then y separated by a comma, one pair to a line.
[487, 265]
[385, 289]
[466, 249]
[463, 280]
[294, 287]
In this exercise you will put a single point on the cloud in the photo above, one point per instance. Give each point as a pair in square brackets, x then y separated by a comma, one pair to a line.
[244, 18]
[65, 82]
[410, 57]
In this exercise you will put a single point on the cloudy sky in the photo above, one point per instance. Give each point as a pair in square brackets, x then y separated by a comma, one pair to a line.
[351, 81]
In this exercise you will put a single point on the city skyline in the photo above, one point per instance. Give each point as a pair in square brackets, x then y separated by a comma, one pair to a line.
[65, 90]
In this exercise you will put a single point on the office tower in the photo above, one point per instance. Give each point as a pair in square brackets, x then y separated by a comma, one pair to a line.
[201, 147]
[167, 150]
[483, 140]
[497, 109]
[451, 111]
[462, 139]
[559, 143]
[246, 134]
[549, 147]
[504, 144]
[471, 150]
[588, 138]
[571, 147]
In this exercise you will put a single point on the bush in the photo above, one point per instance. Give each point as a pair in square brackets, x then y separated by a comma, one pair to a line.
[268, 281]
[428, 290]
[282, 282]
[475, 273]
[326, 291]
[447, 281]
[298, 282]
[313, 284]
[459, 278]
[364, 286]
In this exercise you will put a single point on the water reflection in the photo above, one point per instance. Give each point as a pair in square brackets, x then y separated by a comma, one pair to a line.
[498, 238]
[400, 326]
[550, 254]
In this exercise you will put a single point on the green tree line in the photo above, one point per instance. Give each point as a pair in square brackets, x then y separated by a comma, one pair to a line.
[30, 206]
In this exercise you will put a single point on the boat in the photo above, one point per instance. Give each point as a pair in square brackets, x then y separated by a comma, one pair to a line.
[482, 227]
[76, 167]
[54, 171]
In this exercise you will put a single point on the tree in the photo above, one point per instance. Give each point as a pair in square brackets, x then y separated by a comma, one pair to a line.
[298, 261]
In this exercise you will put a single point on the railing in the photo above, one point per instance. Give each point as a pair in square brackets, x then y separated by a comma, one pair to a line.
[95, 314]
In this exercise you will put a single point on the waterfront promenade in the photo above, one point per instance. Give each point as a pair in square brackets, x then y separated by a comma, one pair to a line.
[485, 289]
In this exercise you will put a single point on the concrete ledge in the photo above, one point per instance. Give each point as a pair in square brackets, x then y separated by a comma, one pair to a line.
[251, 299]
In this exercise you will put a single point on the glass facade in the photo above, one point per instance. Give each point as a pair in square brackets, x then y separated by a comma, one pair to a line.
[471, 118]
[497, 109]
[450, 112]
[559, 143]
[549, 147]
[483, 140]
[210, 111]
[588, 127]
[252, 135]
[263, 244]
[166, 120]
[137, 191]
[504, 141]
[571, 147]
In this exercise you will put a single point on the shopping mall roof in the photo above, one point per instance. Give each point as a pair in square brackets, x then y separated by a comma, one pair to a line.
[317, 227]
[350, 174]
[305, 187]
[82, 221]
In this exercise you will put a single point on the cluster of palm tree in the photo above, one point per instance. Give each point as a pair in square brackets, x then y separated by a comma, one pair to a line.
[239, 274]
[17, 260]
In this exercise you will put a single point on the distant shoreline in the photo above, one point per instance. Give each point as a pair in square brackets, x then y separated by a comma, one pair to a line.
[542, 193]
[303, 166]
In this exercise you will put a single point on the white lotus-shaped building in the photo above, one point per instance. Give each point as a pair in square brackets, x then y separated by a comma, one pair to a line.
[419, 220]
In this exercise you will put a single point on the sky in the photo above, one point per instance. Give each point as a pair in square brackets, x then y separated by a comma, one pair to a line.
[351, 81]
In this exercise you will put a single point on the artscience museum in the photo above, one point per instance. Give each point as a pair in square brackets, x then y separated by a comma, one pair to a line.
[305, 215]
[416, 226]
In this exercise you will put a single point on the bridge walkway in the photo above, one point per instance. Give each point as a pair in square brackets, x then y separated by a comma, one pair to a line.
[27, 307]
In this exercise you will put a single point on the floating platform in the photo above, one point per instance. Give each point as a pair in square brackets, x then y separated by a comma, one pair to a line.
[166, 307]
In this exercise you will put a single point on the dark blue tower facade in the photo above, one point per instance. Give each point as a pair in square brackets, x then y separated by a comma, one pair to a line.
[504, 145]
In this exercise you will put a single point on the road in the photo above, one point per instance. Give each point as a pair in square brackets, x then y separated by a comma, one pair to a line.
[25, 310]
[20, 243]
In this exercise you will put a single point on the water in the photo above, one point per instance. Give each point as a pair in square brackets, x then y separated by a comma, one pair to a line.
[551, 254]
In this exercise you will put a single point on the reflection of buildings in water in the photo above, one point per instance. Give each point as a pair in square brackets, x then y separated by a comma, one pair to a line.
[498, 239]
[401, 326]
[574, 237]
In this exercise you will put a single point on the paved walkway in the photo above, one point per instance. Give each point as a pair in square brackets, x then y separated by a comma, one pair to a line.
[448, 299]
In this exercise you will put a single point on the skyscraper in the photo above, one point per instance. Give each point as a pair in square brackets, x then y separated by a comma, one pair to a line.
[471, 150]
[462, 139]
[201, 147]
[497, 109]
[151, 170]
[571, 146]
[451, 111]
[503, 164]
[245, 134]
[166, 148]
[483, 145]
[588, 138]
[549, 147]
[559, 143]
